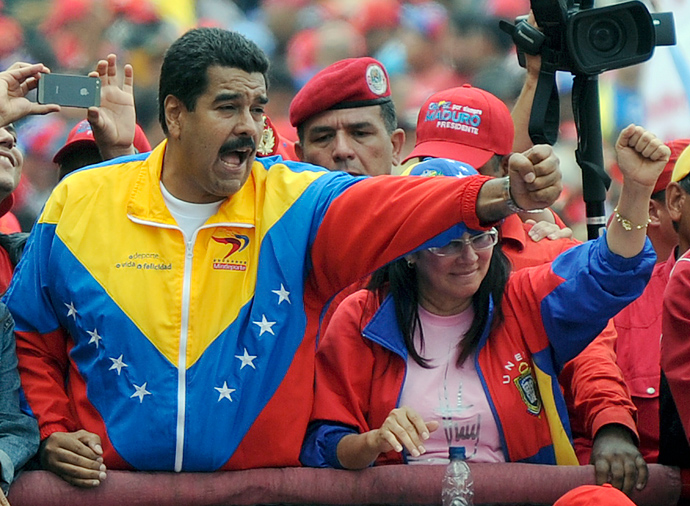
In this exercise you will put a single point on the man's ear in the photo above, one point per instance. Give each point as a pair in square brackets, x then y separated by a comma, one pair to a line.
[655, 209]
[299, 151]
[675, 197]
[398, 141]
[173, 111]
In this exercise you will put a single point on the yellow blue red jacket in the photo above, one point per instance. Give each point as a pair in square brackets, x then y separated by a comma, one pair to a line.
[201, 357]
[551, 312]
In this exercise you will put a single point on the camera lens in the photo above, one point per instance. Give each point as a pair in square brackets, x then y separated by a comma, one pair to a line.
[605, 35]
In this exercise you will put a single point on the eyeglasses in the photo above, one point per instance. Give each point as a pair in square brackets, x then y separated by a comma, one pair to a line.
[479, 242]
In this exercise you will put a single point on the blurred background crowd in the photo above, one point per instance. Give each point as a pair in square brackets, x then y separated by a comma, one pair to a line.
[426, 46]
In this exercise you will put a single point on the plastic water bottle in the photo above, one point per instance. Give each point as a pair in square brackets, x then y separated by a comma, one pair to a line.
[457, 483]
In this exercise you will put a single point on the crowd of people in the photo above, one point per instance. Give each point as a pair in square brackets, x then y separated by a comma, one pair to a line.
[229, 291]
[425, 46]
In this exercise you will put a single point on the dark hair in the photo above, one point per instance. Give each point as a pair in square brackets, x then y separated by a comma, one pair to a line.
[390, 119]
[659, 196]
[388, 115]
[184, 73]
[401, 282]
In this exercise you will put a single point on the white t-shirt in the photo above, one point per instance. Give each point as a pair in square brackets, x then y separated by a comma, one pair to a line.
[188, 215]
[450, 395]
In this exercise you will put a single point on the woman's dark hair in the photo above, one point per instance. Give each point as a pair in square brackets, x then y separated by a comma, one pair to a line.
[400, 280]
[184, 73]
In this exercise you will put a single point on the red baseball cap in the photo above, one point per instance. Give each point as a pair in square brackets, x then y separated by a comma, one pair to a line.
[465, 124]
[81, 136]
[677, 146]
[594, 495]
[346, 84]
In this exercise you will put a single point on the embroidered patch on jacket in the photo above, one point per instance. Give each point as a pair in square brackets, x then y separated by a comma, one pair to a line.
[527, 387]
[236, 243]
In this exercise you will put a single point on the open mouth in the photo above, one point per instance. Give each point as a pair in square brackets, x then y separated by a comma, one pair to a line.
[235, 157]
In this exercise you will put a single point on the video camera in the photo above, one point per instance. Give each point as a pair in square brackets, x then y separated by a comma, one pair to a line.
[590, 41]
[585, 41]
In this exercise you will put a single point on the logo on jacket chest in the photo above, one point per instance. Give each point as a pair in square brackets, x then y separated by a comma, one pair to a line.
[144, 261]
[228, 257]
[520, 375]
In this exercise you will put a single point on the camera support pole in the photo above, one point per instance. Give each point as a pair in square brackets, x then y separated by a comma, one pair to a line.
[589, 153]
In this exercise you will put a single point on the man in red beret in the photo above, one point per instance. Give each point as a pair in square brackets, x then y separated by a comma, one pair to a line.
[346, 120]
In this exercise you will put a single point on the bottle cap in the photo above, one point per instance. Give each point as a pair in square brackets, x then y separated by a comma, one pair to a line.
[457, 452]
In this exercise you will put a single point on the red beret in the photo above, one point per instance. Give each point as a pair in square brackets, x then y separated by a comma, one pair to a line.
[346, 84]
[664, 179]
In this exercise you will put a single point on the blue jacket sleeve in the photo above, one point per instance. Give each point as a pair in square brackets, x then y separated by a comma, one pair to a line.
[596, 285]
[321, 443]
[18, 431]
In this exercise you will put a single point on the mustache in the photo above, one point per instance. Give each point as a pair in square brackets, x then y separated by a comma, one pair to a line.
[238, 143]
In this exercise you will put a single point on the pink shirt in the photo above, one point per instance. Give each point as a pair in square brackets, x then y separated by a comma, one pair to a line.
[453, 396]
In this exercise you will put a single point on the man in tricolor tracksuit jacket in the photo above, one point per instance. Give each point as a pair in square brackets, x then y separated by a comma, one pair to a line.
[168, 303]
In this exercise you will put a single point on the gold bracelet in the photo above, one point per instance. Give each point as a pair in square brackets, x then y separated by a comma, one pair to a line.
[627, 224]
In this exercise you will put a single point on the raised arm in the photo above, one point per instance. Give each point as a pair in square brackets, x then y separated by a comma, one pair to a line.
[641, 158]
[523, 105]
[114, 122]
[15, 83]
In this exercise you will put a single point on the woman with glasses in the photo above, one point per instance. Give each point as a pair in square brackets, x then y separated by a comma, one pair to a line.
[447, 348]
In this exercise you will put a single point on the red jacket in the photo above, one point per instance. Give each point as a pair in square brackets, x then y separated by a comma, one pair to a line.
[637, 347]
[675, 345]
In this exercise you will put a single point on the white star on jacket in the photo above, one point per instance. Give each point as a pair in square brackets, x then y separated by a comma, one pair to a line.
[95, 338]
[246, 359]
[282, 294]
[140, 391]
[225, 392]
[265, 325]
[118, 364]
[71, 310]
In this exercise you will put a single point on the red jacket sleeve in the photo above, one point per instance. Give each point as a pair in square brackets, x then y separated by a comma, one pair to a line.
[344, 365]
[410, 211]
[43, 364]
[596, 393]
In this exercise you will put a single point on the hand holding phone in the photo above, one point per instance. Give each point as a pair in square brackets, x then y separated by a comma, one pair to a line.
[15, 83]
[69, 90]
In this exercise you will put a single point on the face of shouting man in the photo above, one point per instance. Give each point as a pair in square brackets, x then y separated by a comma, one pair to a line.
[216, 141]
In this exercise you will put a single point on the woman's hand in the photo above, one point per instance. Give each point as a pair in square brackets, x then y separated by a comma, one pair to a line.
[403, 428]
[544, 229]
